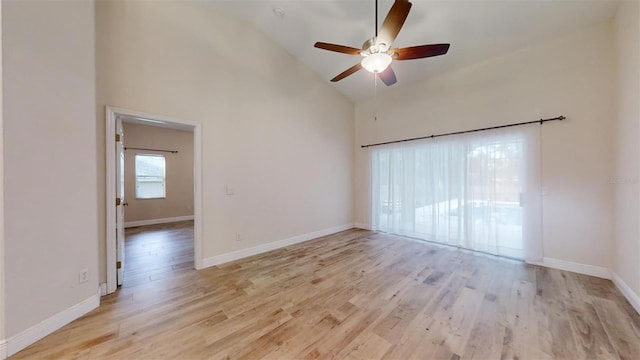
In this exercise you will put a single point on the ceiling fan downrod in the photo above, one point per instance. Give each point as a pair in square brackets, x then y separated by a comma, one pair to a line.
[376, 20]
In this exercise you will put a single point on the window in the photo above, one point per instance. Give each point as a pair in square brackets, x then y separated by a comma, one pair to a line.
[478, 191]
[150, 177]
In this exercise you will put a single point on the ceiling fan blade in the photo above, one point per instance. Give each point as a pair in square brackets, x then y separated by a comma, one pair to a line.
[388, 77]
[347, 72]
[338, 48]
[419, 52]
[393, 22]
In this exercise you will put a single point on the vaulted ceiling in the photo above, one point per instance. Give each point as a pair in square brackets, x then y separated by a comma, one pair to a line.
[476, 30]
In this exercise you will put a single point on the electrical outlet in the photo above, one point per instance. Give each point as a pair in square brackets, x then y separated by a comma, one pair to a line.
[83, 276]
[238, 238]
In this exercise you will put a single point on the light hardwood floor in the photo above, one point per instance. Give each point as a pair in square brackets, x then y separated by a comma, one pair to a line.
[352, 295]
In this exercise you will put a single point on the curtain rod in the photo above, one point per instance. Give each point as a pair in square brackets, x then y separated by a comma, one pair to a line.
[541, 121]
[169, 151]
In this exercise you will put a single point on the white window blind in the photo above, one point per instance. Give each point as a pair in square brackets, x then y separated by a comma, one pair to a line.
[150, 176]
[479, 191]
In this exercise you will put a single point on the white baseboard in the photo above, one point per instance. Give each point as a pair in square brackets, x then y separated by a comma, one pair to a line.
[46, 327]
[626, 290]
[157, 221]
[102, 289]
[3, 349]
[239, 254]
[579, 268]
[362, 226]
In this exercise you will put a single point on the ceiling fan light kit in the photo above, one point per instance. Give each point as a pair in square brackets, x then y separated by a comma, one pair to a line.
[376, 63]
[377, 52]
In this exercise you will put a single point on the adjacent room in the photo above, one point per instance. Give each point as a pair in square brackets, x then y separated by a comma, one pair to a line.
[158, 200]
[320, 179]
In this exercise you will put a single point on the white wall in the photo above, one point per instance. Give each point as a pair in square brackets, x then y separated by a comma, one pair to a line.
[49, 158]
[626, 257]
[272, 130]
[571, 76]
[178, 201]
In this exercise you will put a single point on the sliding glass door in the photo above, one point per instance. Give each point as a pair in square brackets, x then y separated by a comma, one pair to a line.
[467, 191]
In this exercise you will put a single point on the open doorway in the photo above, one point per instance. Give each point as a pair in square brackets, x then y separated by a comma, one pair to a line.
[153, 173]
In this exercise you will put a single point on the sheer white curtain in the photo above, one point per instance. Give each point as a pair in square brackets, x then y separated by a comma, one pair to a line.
[479, 191]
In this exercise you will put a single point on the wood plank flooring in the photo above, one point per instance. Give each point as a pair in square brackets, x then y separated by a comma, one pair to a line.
[351, 295]
[152, 252]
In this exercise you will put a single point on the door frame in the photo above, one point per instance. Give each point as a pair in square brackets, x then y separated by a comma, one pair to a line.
[111, 113]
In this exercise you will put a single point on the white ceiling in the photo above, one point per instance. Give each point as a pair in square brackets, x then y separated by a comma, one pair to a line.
[476, 30]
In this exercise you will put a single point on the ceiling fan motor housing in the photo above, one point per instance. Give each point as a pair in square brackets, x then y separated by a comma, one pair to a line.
[371, 46]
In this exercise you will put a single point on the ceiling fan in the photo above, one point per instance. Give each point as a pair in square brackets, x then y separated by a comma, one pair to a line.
[377, 53]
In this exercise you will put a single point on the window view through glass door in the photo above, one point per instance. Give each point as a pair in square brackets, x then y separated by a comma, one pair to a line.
[464, 191]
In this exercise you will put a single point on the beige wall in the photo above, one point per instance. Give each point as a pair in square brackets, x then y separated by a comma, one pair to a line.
[571, 76]
[2, 273]
[49, 158]
[626, 257]
[272, 130]
[179, 172]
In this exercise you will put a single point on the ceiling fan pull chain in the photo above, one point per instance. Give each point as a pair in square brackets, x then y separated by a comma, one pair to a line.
[375, 97]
